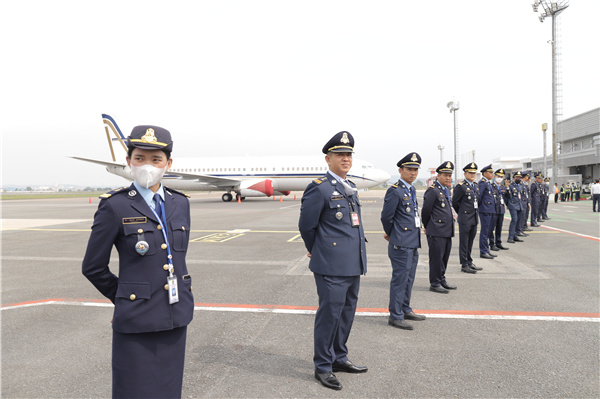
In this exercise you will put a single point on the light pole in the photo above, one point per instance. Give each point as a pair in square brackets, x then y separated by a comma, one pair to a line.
[552, 8]
[544, 128]
[454, 106]
[441, 148]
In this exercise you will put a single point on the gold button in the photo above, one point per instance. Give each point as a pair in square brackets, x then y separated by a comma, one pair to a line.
[159, 227]
[132, 297]
[140, 231]
[166, 267]
[440, 221]
[405, 228]
[166, 287]
[334, 244]
[164, 246]
[190, 287]
[183, 228]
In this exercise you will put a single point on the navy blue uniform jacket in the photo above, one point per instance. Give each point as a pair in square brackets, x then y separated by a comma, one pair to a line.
[463, 202]
[437, 218]
[336, 248]
[141, 301]
[513, 195]
[398, 217]
[487, 201]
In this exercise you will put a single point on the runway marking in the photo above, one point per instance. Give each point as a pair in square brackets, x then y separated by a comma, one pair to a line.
[217, 237]
[572, 233]
[310, 310]
[296, 238]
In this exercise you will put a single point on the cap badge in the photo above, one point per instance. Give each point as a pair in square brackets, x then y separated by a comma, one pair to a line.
[345, 139]
[414, 158]
[149, 137]
[448, 165]
[472, 165]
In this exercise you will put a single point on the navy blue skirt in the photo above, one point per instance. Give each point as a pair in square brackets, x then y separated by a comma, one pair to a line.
[148, 365]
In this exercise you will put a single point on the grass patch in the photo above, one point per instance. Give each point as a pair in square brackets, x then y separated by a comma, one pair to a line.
[20, 195]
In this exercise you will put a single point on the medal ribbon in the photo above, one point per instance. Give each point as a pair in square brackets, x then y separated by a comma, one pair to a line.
[163, 224]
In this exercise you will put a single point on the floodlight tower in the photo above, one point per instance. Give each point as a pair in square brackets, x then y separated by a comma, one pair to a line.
[441, 148]
[454, 106]
[552, 8]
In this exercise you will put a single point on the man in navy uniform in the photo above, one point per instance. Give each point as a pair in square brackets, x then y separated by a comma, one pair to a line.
[526, 199]
[537, 192]
[487, 211]
[515, 207]
[331, 227]
[402, 227]
[500, 191]
[464, 202]
[438, 222]
[544, 215]
[149, 225]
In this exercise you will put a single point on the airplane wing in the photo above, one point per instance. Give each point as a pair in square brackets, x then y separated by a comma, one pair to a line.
[206, 180]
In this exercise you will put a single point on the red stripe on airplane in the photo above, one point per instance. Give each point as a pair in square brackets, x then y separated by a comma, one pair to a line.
[265, 187]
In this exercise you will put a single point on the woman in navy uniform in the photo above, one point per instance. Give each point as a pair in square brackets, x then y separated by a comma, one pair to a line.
[464, 202]
[402, 227]
[438, 222]
[149, 225]
[331, 227]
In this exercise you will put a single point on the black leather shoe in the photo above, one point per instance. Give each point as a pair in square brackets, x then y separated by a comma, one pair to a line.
[501, 247]
[486, 256]
[350, 367]
[510, 241]
[492, 255]
[439, 290]
[546, 218]
[329, 380]
[414, 316]
[495, 248]
[467, 269]
[448, 286]
[535, 225]
[472, 266]
[523, 235]
[527, 229]
[403, 324]
[517, 239]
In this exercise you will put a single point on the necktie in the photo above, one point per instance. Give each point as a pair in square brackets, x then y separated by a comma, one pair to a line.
[156, 200]
[412, 194]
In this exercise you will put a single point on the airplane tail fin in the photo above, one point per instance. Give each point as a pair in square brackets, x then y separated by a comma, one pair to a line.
[109, 123]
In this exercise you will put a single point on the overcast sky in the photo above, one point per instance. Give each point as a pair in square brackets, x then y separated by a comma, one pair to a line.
[237, 78]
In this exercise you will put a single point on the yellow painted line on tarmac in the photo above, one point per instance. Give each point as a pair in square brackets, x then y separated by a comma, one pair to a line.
[296, 238]
[217, 237]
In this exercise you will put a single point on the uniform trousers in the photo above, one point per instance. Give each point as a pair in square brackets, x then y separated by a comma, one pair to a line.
[496, 234]
[148, 365]
[555, 198]
[338, 296]
[484, 232]
[515, 218]
[439, 253]
[404, 266]
[535, 211]
[525, 218]
[596, 202]
[466, 236]
[543, 208]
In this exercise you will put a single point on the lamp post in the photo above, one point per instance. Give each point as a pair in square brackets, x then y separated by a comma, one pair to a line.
[552, 8]
[454, 106]
[441, 148]
[544, 128]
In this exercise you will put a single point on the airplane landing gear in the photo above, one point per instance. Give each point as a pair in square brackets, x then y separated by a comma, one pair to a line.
[239, 197]
[227, 197]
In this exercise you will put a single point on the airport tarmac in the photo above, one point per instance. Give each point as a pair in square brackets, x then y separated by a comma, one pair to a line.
[527, 326]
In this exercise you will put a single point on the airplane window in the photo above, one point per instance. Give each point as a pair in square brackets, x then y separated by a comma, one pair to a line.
[302, 168]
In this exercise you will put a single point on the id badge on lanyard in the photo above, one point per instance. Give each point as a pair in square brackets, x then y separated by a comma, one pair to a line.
[172, 278]
[417, 221]
[355, 219]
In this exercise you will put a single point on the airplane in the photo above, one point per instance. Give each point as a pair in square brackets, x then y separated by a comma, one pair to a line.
[244, 176]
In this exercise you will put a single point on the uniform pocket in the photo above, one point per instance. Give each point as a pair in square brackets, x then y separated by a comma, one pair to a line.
[135, 233]
[180, 234]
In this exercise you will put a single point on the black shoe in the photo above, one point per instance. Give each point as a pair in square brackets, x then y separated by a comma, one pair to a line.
[486, 256]
[523, 235]
[472, 266]
[439, 290]
[495, 248]
[546, 218]
[414, 316]
[527, 229]
[501, 247]
[492, 255]
[403, 324]
[517, 239]
[350, 367]
[467, 269]
[328, 380]
[535, 225]
[448, 286]
[510, 241]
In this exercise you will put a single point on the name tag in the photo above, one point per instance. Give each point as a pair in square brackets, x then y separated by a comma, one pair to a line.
[173, 293]
[337, 197]
[417, 221]
[135, 220]
[355, 219]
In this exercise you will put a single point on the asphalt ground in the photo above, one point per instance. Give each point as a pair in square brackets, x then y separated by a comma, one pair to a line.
[524, 327]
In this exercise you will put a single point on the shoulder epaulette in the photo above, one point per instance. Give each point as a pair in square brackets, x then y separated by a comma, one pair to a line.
[395, 185]
[171, 190]
[113, 192]
[320, 180]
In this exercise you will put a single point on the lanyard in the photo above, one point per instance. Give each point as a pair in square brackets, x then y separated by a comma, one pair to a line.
[413, 198]
[163, 224]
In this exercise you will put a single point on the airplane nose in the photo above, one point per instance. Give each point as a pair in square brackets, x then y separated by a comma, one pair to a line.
[383, 176]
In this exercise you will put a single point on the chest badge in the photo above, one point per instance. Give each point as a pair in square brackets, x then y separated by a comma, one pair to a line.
[142, 247]
[132, 193]
[339, 215]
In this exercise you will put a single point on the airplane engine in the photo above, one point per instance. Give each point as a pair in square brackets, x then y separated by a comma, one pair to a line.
[256, 188]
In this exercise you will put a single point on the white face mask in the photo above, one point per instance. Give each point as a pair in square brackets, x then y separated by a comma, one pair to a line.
[147, 175]
[499, 180]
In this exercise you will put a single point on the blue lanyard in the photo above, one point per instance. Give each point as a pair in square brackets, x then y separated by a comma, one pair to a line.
[163, 224]
[446, 192]
[412, 198]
